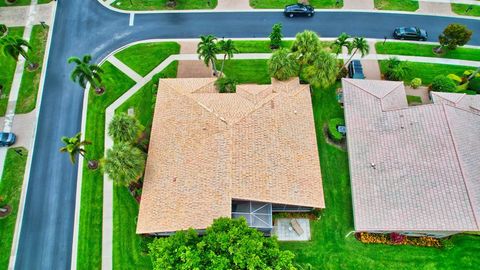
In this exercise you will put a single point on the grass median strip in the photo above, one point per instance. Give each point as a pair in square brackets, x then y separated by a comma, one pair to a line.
[403, 5]
[426, 50]
[466, 10]
[247, 71]
[27, 95]
[7, 68]
[90, 229]
[11, 189]
[163, 4]
[319, 4]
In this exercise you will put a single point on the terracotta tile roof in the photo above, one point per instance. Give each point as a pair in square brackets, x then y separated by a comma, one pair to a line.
[208, 148]
[411, 168]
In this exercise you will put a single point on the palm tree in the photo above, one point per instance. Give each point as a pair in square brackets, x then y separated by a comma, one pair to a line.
[14, 46]
[323, 72]
[124, 128]
[305, 47]
[227, 47]
[340, 42]
[73, 146]
[207, 50]
[396, 70]
[124, 163]
[282, 65]
[85, 72]
[358, 44]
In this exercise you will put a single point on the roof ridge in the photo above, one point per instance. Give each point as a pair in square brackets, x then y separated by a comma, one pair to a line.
[365, 90]
[460, 165]
[441, 95]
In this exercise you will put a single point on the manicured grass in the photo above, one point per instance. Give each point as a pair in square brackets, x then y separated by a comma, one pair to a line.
[405, 5]
[7, 70]
[318, 4]
[144, 57]
[27, 96]
[263, 46]
[162, 4]
[10, 189]
[330, 248]
[415, 49]
[247, 71]
[414, 100]
[461, 9]
[90, 229]
[428, 71]
[129, 249]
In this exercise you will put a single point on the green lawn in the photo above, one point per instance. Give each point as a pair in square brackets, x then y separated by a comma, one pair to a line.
[461, 9]
[247, 71]
[129, 249]
[161, 4]
[427, 71]
[405, 5]
[23, 3]
[331, 249]
[263, 46]
[415, 49]
[10, 189]
[144, 57]
[414, 100]
[318, 4]
[27, 96]
[90, 229]
[7, 68]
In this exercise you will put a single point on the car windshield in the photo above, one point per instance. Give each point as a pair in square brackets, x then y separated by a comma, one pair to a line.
[3, 136]
[412, 30]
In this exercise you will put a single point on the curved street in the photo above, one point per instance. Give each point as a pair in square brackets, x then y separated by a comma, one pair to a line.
[86, 27]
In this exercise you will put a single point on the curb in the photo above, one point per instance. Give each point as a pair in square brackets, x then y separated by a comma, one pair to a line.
[26, 177]
[114, 9]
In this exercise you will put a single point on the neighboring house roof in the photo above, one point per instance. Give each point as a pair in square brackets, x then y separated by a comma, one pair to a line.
[412, 168]
[207, 149]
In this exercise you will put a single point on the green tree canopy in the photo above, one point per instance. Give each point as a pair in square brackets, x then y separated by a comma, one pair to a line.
[323, 71]
[454, 35]
[276, 36]
[124, 163]
[227, 244]
[124, 128]
[73, 146]
[305, 48]
[207, 50]
[282, 65]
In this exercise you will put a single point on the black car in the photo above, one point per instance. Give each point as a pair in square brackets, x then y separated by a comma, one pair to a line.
[355, 70]
[412, 33]
[298, 10]
[7, 138]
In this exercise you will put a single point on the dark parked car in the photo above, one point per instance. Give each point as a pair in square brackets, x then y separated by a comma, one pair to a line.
[412, 33]
[355, 70]
[7, 138]
[298, 10]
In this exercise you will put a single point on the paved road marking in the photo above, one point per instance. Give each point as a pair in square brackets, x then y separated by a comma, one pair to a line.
[132, 18]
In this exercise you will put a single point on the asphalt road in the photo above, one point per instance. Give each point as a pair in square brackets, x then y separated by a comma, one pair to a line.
[85, 27]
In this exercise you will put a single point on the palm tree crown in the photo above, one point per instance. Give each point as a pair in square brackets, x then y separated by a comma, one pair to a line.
[207, 50]
[85, 72]
[227, 47]
[358, 44]
[282, 65]
[340, 42]
[73, 146]
[14, 46]
[124, 163]
[305, 47]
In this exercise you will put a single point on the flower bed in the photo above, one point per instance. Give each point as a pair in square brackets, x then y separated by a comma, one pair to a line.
[397, 239]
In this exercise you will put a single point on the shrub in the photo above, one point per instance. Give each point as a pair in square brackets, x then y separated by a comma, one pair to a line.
[454, 35]
[332, 129]
[342, 73]
[415, 83]
[474, 85]
[455, 78]
[396, 70]
[3, 29]
[276, 36]
[226, 85]
[467, 73]
[442, 83]
[124, 128]
[281, 65]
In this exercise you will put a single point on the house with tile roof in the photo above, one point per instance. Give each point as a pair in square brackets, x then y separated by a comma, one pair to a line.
[414, 170]
[244, 154]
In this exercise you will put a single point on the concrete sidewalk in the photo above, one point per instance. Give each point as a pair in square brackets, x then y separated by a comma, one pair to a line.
[17, 16]
[359, 4]
[233, 5]
[436, 8]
